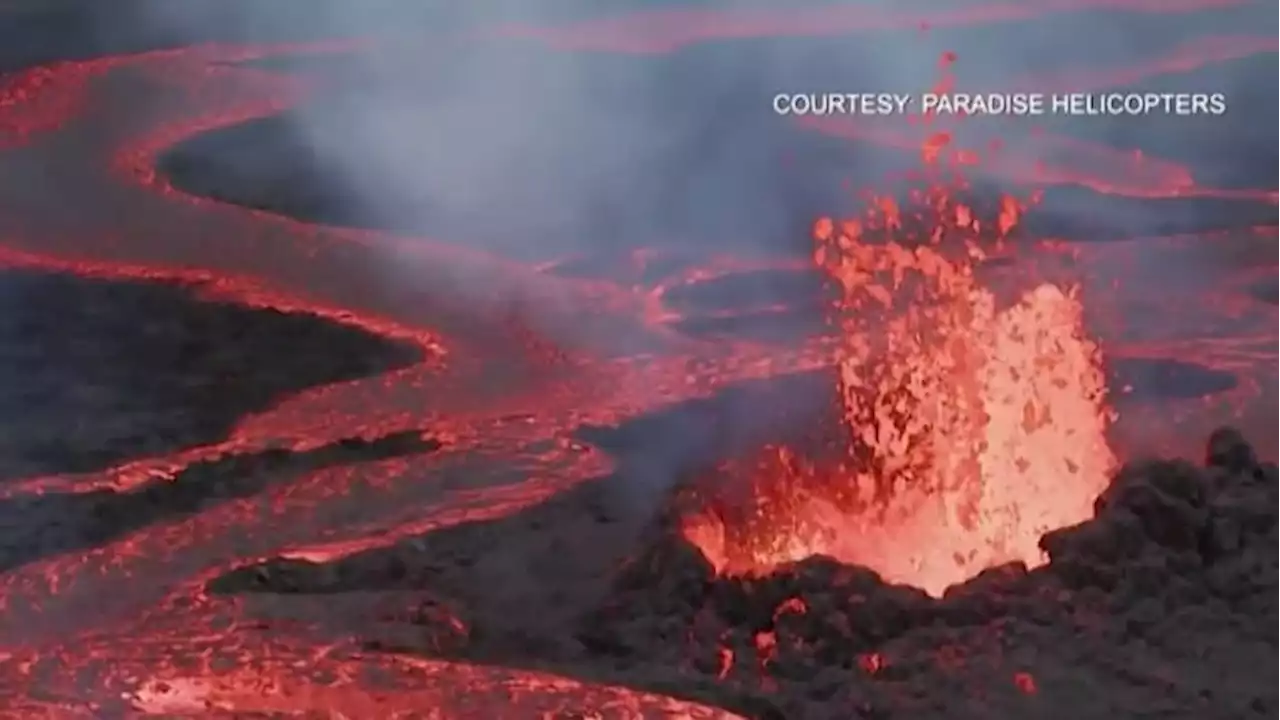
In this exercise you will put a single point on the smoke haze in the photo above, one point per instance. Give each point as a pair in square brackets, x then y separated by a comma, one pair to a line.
[553, 130]
[504, 142]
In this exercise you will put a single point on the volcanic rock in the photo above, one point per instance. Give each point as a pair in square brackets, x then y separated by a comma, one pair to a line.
[1162, 605]
[1174, 549]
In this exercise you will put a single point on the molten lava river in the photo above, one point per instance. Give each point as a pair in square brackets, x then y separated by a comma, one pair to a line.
[968, 364]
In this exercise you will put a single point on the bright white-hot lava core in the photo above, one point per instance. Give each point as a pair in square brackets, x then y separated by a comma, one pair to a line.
[975, 414]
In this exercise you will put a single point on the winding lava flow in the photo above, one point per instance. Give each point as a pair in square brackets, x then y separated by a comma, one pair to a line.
[127, 627]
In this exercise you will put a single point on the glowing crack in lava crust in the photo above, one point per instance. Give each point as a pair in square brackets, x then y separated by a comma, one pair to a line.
[972, 401]
[975, 426]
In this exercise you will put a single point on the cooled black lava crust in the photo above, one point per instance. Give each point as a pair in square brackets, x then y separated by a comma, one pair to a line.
[1163, 605]
[94, 373]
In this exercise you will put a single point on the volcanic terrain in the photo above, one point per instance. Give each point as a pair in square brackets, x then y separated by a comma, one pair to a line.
[664, 406]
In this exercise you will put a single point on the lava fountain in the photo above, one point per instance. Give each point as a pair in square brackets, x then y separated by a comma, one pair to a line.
[973, 415]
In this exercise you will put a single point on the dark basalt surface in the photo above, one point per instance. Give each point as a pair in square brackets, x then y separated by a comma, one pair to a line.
[93, 373]
[33, 527]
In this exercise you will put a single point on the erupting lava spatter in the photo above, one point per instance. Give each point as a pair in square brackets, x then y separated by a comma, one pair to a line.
[975, 425]
[974, 403]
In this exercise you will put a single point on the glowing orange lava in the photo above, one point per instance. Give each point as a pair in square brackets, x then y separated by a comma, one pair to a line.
[975, 424]
[976, 397]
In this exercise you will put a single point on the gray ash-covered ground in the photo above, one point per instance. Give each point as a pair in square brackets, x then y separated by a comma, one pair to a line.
[1163, 605]
[94, 373]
